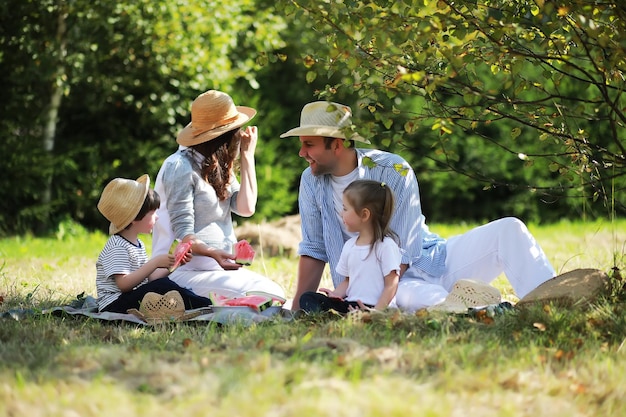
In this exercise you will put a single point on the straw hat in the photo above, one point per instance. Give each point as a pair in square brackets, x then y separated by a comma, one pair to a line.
[328, 119]
[121, 201]
[157, 308]
[466, 294]
[213, 113]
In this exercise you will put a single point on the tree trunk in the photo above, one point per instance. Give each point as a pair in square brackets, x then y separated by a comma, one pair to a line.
[51, 117]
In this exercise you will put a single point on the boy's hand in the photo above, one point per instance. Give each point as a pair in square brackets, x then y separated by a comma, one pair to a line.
[165, 261]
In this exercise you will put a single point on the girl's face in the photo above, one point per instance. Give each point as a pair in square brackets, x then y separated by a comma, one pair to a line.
[353, 220]
[146, 224]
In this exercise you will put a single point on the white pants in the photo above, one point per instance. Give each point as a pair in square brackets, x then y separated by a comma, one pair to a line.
[203, 275]
[482, 254]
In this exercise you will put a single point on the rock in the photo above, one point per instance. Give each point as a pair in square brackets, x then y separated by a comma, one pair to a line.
[579, 287]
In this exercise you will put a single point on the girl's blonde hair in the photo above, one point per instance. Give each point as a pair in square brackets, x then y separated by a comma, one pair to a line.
[378, 198]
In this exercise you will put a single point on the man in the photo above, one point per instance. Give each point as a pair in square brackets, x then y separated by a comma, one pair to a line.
[430, 264]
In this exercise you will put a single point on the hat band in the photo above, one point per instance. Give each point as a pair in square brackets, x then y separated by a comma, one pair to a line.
[197, 131]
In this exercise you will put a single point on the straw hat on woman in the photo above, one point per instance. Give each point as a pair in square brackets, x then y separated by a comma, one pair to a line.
[200, 190]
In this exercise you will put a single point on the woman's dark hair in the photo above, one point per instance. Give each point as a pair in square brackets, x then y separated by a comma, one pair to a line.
[378, 198]
[219, 157]
[152, 202]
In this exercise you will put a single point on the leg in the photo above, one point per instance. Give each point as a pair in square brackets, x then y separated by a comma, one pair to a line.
[415, 293]
[230, 283]
[504, 245]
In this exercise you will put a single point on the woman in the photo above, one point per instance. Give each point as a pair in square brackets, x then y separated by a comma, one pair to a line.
[200, 191]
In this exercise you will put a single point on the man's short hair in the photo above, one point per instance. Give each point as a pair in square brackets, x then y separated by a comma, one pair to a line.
[348, 143]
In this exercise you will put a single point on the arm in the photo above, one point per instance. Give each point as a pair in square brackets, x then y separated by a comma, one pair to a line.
[225, 259]
[389, 291]
[309, 276]
[340, 292]
[247, 195]
[129, 281]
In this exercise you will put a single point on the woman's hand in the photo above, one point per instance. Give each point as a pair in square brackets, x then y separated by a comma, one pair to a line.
[248, 137]
[225, 259]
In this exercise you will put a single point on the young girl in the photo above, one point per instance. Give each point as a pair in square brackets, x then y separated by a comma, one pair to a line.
[124, 273]
[370, 261]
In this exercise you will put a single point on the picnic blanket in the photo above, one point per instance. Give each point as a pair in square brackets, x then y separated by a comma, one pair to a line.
[88, 307]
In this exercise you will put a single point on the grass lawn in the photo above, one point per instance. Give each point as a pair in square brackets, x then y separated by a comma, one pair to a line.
[541, 361]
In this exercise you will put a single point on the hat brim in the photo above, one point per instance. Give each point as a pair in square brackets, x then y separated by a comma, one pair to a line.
[324, 131]
[187, 138]
[467, 294]
[113, 228]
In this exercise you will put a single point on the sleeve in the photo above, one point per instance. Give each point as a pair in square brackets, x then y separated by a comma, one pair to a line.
[342, 265]
[179, 188]
[115, 261]
[408, 220]
[312, 243]
[390, 257]
[234, 192]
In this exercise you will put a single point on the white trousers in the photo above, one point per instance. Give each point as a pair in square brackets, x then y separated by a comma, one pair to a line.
[203, 275]
[482, 254]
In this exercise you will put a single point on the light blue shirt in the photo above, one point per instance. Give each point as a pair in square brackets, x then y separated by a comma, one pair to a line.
[322, 236]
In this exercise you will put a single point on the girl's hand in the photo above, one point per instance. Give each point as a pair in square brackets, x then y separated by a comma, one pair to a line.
[330, 293]
[360, 307]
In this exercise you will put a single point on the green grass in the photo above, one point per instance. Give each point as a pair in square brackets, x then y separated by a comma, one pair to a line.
[542, 361]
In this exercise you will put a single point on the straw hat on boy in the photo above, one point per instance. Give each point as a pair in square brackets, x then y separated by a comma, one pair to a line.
[121, 201]
[213, 113]
[327, 119]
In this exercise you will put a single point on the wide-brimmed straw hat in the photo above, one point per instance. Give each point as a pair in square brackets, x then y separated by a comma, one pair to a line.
[327, 119]
[121, 201]
[156, 308]
[467, 294]
[213, 113]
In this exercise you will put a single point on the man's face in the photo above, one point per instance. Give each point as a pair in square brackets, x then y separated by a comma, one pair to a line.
[321, 160]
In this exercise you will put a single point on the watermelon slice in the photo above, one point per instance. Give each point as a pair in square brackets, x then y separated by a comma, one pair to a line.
[218, 299]
[276, 300]
[244, 254]
[257, 302]
[179, 253]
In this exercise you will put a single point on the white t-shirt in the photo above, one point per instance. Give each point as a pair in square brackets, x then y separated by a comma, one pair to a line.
[118, 257]
[367, 270]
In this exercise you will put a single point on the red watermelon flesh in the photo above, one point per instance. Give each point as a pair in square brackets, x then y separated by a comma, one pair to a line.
[179, 253]
[244, 254]
[218, 299]
[257, 302]
[276, 299]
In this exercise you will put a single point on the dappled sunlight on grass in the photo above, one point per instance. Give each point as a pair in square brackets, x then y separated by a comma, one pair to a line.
[544, 360]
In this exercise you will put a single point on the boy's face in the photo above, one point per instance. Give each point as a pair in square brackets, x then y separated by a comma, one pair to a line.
[146, 224]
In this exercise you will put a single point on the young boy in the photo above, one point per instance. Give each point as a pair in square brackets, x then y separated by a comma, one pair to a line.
[124, 273]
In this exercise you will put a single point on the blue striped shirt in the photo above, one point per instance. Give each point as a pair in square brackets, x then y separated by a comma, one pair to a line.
[322, 236]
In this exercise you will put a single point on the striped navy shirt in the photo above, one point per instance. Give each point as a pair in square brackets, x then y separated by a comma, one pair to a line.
[322, 236]
[118, 257]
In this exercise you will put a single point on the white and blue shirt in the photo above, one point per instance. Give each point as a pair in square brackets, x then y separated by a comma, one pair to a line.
[322, 236]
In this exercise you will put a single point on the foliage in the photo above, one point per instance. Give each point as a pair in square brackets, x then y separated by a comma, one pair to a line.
[128, 72]
[540, 83]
